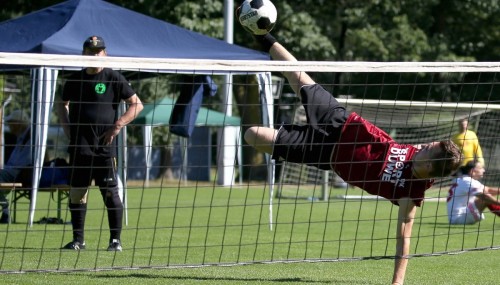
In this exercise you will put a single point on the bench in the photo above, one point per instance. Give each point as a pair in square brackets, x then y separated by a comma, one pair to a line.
[20, 192]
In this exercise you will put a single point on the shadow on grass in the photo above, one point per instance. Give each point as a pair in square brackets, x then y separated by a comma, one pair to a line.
[451, 226]
[199, 278]
[220, 278]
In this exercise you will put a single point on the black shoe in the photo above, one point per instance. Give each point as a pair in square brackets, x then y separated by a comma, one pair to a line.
[115, 245]
[5, 218]
[74, 245]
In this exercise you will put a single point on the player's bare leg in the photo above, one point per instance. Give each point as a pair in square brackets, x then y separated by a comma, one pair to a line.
[78, 210]
[261, 138]
[485, 200]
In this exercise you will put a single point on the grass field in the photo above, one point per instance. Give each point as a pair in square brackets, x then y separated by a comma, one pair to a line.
[200, 225]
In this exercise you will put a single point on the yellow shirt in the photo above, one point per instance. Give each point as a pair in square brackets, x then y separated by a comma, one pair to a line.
[469, 145]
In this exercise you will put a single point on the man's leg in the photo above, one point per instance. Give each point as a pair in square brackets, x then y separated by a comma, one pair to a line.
[488, 201]
[113, 202]
[313, 144]
[80, 178]
[108, 184]
[310, 144]
[261, 138]
[78, 211]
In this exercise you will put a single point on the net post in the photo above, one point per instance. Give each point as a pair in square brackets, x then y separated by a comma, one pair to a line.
[324, 186]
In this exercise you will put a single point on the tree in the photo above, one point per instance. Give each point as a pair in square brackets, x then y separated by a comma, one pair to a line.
[13, 9]
[344, 30]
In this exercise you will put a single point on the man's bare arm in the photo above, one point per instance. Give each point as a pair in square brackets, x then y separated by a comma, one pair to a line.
[495, 191]
[406, 215]
[296, 79]
[134, 108]
[62, 110]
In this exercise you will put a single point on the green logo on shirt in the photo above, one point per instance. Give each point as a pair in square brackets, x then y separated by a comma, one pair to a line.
[100, 88]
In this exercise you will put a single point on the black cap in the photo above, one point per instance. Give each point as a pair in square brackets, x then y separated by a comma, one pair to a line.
[94, 42]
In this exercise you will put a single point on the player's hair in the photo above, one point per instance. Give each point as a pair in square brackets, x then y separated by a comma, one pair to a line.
[465, 170]
[447, 160]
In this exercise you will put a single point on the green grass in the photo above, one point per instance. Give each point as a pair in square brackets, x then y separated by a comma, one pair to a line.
[178, 224]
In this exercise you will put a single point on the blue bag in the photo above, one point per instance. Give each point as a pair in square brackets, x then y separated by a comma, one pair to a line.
[187, 106]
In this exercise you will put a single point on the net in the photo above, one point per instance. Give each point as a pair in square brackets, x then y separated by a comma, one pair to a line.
[182, 216]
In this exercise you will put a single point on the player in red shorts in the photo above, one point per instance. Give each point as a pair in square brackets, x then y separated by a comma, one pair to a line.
[358, 151]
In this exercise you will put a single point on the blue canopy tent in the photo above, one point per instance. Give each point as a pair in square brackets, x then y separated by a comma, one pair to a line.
[62, 28]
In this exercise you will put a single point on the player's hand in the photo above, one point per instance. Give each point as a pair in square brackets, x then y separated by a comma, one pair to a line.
[110, 135]
[237, 13]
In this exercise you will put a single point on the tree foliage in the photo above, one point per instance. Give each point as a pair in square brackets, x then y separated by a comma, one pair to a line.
[343, 30]
[376, 30]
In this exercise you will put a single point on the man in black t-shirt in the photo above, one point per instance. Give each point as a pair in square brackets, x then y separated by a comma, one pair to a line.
[88, 112]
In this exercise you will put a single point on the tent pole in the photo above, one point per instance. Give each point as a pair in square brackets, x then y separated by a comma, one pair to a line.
[4, 104]
[226, 155]
[43, 93]
[267, 107]
[122, 164]
[148, 148]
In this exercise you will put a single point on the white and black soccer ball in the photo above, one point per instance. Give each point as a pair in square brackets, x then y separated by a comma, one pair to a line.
[257, 16]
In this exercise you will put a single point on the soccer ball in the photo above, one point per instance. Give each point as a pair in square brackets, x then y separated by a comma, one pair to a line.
[257, 16]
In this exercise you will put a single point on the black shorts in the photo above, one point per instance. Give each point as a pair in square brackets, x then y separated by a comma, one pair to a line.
[312, 144]
[86, 168]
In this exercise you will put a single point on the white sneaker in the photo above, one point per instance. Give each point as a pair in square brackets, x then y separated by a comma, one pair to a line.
[115, 245]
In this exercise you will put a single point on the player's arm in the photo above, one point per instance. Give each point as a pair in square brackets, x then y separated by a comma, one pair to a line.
[62, 110]
[406, 216]
[495, 191]
[296, 79]
[134, 108]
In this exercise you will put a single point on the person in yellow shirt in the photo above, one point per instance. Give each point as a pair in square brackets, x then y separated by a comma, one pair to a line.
[468, 143]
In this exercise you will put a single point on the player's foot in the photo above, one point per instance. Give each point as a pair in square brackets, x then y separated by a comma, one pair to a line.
[115, 245]
[74, 245]
[495, 209]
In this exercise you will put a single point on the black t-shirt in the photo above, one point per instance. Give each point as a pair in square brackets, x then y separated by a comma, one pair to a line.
[93, 109]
